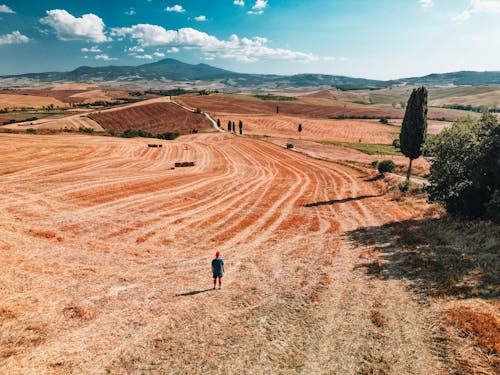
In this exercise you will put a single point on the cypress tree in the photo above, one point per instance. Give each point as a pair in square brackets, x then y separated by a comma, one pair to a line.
[414, 127]
[240, 125]
[229, 125]
[234, 127]
[218, 122]
[300, 128]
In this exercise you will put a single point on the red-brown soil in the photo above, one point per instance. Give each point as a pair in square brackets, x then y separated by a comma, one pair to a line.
[155, 118]
[218, 104]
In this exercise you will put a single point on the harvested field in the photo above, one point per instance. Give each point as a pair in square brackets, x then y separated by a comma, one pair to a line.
[105, 255]
[362, 131]
[73, 122]
[10, 100]
[336, 153]
[152, 117]
[220, 105]
[62, 96]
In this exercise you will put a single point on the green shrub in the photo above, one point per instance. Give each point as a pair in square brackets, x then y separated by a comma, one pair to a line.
[384, 120]
[404, 186]
[31, 131]
[386, 166]
[465, 168]
[289, 145]
[168, 136]
[374, 164]
[83, 129]
[396, 143]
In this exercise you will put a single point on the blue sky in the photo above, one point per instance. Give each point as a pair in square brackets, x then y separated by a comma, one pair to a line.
[380, 39]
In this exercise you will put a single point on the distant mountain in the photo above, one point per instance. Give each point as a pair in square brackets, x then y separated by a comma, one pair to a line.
[465, 78]
[171, 70]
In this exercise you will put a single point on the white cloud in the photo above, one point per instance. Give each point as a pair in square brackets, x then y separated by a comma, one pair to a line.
[145, 57]
[427, 3]
[258, 7]
[241, 3]
[147, 35]
[14, 38]
[136, 49]
[200, 18]
[105, 57]
[93, 49]
[130, 12]
[175, 8]
[67, 27]
[5, 9]
[173, 50]
[478, 6]
[244, 49]
[158, 54]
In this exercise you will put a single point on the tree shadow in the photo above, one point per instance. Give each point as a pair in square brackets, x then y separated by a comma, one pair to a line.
[337, 201]
[194, 292]
[440, 257]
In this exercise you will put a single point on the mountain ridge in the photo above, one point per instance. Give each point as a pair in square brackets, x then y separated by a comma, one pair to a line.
[177, 71]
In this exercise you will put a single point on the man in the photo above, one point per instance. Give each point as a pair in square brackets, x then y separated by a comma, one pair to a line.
[217, 269]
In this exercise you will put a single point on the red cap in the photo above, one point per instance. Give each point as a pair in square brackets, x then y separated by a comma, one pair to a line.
[217, 254]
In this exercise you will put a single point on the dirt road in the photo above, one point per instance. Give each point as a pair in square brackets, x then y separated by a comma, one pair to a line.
[105, 254]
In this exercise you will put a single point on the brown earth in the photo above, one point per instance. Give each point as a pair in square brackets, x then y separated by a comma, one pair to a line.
[105, 254]
[353, 131]
[158, 117]
[10, 100]
[218, 104]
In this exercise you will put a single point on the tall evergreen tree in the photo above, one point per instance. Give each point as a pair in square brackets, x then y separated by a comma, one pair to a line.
[229, 126]
[218, 122]
[300, 128]
[240, 125]
[414, 127]
[234, 127]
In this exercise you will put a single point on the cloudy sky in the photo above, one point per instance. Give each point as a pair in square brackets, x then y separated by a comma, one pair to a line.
[363, 38]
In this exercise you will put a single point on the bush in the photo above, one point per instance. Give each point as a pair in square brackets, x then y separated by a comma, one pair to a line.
[465, 173]
[83, 129]
[374, 164]
[386, 166]
[198, 110]
[289, 145]
[31, 131]
[383, 120]
[396, 144]
[404, 186]
[168, 136]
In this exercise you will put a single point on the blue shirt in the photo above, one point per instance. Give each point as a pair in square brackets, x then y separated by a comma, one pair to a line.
[217, 264]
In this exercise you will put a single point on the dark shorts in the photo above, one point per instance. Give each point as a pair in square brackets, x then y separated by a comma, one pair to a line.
[217, 275]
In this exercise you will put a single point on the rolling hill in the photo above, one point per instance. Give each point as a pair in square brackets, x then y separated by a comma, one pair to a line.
[171, 70]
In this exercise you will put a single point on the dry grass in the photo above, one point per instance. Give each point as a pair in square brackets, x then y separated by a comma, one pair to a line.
[354, 131]
[126, 289]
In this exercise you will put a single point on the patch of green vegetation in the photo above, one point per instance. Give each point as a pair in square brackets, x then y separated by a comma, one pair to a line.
[171, 92]
[367, 148]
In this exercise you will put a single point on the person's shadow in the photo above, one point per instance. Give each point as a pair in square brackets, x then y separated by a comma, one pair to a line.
[194, 292]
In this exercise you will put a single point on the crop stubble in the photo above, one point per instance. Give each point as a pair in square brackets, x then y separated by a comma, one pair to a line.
[105, 254]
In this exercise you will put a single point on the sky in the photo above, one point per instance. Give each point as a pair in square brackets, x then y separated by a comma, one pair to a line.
[378, 39]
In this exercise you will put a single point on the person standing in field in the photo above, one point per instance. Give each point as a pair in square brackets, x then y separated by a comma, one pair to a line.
[217, 269]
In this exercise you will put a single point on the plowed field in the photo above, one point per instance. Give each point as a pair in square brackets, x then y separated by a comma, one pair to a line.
[157, 117]
[105, 254]
[220, 105]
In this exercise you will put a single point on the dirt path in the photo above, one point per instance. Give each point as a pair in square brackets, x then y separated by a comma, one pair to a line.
[105, 253]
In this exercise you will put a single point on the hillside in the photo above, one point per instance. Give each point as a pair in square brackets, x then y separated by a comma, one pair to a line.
[177, 71]
[156, 118]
